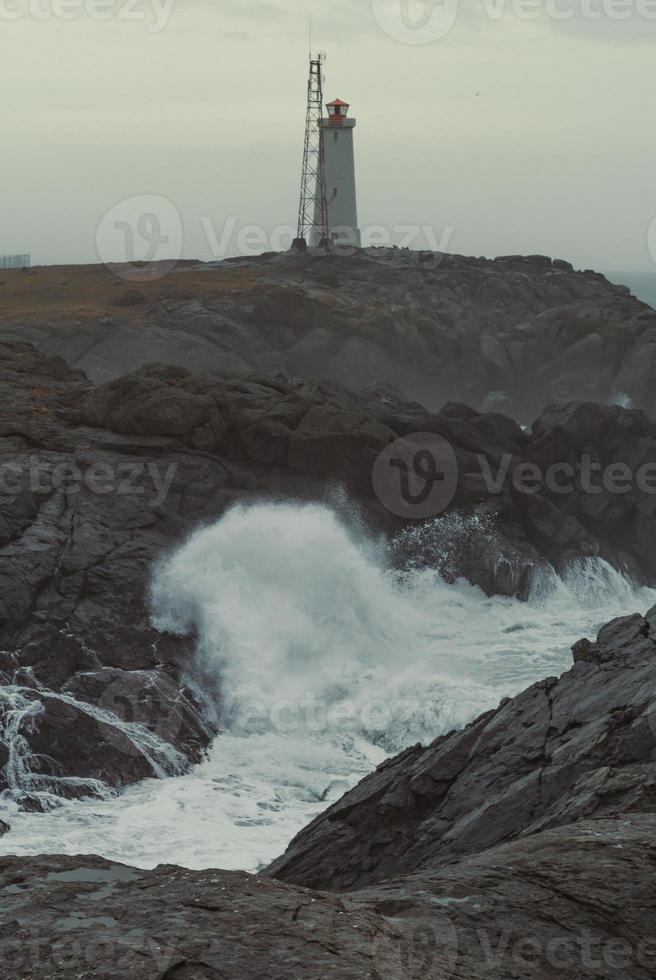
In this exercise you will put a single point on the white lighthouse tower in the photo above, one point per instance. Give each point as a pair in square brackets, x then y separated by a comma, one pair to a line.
[339, 169]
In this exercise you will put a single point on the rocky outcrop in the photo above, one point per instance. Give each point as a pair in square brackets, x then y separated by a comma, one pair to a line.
[568, 903]
[574, 903]
[611, 494]
[521, 847]
[565, 750]
[512, 334]
[99, 482]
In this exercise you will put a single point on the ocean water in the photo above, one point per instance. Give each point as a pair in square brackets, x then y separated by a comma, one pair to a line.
[641, 284]
[318, 660]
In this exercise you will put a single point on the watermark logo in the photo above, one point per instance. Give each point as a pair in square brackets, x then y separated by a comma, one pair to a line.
[415, 21]
[154, 13]
[416, 476]
[651, 240]
[427, 21]
[429, 951]
[141, 238]
[252, 240]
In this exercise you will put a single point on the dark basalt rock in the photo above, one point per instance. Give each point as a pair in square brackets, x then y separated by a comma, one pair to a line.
[74, 749]
[87, 917]
[574, 903]
[565, 750]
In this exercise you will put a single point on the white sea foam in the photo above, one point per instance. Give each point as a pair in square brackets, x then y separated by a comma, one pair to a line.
[320, 660]
[27, 773]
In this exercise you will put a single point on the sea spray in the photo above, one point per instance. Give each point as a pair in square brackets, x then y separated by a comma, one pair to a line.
[323, 657]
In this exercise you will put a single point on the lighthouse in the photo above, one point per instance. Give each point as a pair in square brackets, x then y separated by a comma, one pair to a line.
[339, 174]
[328, 211]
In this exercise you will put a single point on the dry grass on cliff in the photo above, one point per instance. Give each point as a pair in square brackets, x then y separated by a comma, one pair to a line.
[92, 290]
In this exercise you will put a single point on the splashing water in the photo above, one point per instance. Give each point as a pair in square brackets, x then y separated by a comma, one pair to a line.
[622, 399]
[320, 660]
[18, 713]
[27, 773]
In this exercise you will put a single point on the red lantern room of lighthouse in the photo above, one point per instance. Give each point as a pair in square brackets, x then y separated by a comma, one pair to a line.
[337, 112]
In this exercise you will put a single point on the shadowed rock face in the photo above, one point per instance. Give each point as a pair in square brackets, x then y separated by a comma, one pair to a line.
[521, 847]
[512, 334]
[98, 482]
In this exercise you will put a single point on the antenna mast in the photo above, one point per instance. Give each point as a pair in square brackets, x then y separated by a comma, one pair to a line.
[313, 208]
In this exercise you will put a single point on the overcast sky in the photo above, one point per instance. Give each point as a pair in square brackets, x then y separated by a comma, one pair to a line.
[501, 134]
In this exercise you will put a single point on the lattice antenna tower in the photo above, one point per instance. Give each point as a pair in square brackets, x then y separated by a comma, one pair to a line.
[313, 208]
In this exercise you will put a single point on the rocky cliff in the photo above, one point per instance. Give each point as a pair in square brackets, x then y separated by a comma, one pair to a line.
[513, 334]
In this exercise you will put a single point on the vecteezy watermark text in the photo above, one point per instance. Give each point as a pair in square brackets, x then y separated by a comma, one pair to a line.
[417, 476]
[565, 952]
[154, 13]
[437, 942]
[310, 714]
[129, 479]
[35, 952]
[586, 475]
[253, 239]
[141, 238]
[426, 21]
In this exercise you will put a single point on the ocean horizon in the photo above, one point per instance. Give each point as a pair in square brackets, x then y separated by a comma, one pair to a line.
[641, 284]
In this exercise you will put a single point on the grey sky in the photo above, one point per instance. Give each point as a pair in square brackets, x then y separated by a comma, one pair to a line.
[520, 135]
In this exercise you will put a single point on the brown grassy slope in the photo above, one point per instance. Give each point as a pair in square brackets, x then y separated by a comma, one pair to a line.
[93, 290]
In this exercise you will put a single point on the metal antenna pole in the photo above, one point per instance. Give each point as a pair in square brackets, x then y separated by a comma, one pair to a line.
[313, 207]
